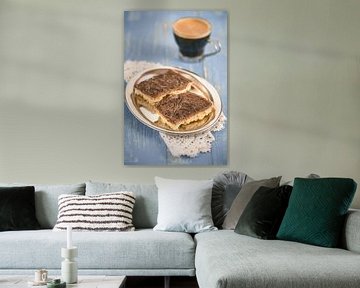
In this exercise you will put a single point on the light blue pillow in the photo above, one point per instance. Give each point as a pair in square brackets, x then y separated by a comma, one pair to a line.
[184, 205]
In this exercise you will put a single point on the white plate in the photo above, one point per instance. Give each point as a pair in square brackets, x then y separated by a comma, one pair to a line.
[201, 86]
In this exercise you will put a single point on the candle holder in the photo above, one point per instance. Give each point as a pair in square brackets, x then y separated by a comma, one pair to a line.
[69, 272]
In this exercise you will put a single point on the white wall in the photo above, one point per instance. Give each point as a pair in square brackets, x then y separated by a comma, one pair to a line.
[294, 90]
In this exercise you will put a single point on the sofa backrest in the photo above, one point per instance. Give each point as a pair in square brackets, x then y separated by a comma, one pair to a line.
[146, 203]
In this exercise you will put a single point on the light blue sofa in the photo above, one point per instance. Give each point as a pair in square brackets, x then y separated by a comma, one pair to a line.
[219, 259]
[142, 252]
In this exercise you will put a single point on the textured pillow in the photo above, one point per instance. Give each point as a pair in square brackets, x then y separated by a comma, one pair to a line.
[17, 209]
[316, 211]
[106, 212]
[243, 198]
[226, 187]
[46, 200]
[184, 205]
[263, 214]
[146, 205]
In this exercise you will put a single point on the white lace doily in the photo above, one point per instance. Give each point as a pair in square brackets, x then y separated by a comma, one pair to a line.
[178, 146]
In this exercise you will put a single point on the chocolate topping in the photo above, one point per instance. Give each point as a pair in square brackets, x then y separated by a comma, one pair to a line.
[176, 108]
[163, 84]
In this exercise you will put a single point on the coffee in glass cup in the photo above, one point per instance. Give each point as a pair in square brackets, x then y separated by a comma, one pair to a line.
[192, 34]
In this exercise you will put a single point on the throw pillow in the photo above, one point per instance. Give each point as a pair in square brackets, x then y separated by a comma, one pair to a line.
[243, 198]
[17, 208]
[316, 211]
[263, 215]
[184, 205]
[226, 187]
[105, 212]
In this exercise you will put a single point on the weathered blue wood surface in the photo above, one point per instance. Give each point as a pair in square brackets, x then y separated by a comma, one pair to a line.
[148, 37]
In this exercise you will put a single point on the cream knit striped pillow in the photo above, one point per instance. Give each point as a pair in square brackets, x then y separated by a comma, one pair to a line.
[104, 212]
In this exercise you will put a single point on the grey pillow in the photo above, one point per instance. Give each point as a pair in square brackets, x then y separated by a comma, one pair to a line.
[46, 200]
[184, 205]
[146, 204]
[225, 189]
[243, 198]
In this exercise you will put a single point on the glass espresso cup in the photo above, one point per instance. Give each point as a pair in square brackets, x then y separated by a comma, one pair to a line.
[191, 35]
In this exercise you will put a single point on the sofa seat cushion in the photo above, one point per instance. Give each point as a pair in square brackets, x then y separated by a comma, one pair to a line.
[226, 259]
[138, 250]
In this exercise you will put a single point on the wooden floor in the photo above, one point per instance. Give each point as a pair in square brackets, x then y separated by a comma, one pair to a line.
[158, 282]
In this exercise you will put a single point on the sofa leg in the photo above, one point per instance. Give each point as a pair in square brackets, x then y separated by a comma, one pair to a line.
[167, 282]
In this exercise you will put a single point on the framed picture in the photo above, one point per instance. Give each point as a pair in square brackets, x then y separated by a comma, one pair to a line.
[176, 87]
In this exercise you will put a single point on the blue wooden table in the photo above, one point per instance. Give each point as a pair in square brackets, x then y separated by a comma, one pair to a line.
[148, 37]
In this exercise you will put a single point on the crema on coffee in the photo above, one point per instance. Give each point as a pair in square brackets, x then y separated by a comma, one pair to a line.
[192, 28]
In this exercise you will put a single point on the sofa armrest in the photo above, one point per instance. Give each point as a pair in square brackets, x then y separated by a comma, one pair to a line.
[351, 234]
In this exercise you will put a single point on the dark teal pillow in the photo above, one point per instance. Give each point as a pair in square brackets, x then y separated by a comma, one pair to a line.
[316, 211]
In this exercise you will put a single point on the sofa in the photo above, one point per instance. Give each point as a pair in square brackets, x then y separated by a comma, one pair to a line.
[218, 258]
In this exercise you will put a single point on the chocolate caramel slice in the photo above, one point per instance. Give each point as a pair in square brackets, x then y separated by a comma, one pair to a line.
[156, 88]
[176, 110]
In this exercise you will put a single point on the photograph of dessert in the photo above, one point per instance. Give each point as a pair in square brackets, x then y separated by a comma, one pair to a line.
[175, 74]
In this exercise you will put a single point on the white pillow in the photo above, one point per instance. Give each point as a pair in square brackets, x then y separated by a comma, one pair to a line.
[184, 205]
[104, 212]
